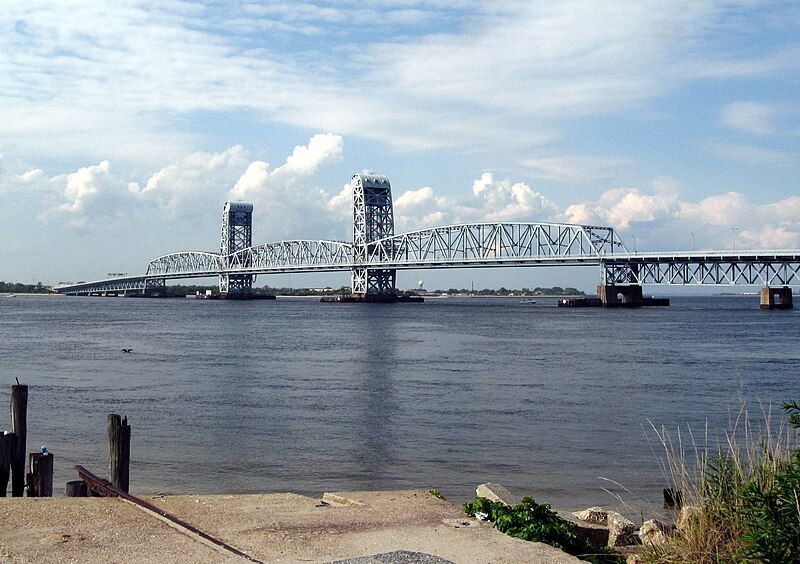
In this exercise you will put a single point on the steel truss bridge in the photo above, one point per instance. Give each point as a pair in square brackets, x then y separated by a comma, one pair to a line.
[376, 253]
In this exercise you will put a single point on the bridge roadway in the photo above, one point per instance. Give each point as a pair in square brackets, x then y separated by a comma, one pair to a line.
[745, 268]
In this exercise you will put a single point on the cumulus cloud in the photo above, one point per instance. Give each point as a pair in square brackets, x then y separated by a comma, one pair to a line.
[490, 200]
[193, 185]
[750, 117]
[290, 204]
[195, 178]
[622, 207]
[283, 194]
[662, 220]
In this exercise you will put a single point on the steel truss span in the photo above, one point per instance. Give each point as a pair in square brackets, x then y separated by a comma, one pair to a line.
[284, 256]
[495, 244]
[755, 268]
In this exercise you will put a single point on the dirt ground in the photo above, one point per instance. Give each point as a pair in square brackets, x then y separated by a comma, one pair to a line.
[268, 527]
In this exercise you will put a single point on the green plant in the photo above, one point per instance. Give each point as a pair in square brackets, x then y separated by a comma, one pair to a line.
[533, 521]
[436, 493]
[770, 506]
[747, 496]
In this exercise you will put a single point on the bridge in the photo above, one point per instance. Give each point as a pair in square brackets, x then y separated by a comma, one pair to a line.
[376, 253]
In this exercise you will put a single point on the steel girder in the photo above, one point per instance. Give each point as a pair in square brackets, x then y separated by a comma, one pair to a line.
[495, 243]
[759, 268]
[186, 264]
[282, 256]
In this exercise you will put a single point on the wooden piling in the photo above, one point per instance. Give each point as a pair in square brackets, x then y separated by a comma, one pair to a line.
[40, 475]
[19, 426]
[119, 451]
[76, 488]
[8, 448]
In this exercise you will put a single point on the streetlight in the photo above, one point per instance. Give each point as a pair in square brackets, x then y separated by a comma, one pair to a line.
[691, 233]
[734, 230]
[634, 243]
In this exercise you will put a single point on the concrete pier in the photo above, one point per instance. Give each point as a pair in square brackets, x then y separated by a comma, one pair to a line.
[776, 298]
[620, 296]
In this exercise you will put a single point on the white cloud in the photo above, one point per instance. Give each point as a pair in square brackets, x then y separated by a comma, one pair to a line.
[491, 200]
[622, 207]
[750, 117]
[662, 220]
[195, 178]
[122, 78]
[284, 196]
[32, 175]
[753, 154]
[576, 169]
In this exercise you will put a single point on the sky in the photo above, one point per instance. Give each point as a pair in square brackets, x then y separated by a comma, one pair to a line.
[125, 126]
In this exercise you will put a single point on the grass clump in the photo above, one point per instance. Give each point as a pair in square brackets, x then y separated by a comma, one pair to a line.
[533, 521]
[436, 493]
[745, 495]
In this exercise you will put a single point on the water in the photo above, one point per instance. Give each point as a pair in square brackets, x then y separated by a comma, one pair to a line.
[294, 395]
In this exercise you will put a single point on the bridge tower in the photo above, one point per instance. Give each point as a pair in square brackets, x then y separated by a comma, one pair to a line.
[237, 234]
[373, 219]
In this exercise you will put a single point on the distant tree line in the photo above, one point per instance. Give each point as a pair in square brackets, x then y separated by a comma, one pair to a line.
[19, 288]
[182, 290]
[554, 291]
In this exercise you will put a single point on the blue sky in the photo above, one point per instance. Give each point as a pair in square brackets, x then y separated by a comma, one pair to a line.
[125, 126]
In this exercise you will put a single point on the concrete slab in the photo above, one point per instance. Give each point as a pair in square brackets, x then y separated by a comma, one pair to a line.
[378, 526]
[289, 527]
[91, 529]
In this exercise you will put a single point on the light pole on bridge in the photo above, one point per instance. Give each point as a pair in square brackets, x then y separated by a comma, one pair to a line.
[691, 234]
[733, 231]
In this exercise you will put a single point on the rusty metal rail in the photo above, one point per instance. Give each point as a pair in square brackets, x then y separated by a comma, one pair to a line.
[97, 486]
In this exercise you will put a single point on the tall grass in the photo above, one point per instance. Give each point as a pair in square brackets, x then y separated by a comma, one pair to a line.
[743, 491]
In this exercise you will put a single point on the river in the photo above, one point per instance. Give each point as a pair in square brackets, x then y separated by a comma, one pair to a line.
[294, 395]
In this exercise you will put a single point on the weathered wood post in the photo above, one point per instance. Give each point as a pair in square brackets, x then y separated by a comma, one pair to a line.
[40, 476]
[8, 448]
[19, 426]
[76, 488]
[119, 451]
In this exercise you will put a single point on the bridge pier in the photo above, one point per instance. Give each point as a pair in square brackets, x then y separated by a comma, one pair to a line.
[776, 298]
[611, 295]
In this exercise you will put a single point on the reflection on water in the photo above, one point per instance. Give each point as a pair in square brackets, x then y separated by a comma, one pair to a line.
[302, 396]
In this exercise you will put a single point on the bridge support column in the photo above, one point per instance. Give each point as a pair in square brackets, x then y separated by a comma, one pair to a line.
[625, 296]
[776, 298]
[237, 235]
[373, 220]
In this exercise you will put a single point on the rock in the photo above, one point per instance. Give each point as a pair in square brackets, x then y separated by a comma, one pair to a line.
[596, 515]
[654, 532]
[591, 533]
[688, 515]
[496, 492]
[621, 531]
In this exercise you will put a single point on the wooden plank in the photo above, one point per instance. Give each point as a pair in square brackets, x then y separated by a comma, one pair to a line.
[101, 487]
[40, 475]
[19, 426]
[119, 451]
[76, 488]
[8, 448]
